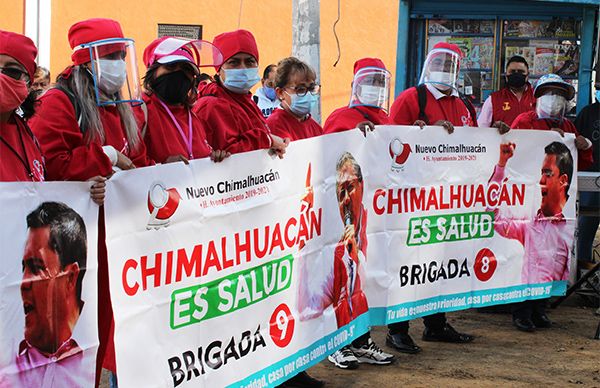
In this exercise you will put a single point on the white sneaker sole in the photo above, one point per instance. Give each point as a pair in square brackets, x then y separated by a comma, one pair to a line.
[352, 365]
[367, 360]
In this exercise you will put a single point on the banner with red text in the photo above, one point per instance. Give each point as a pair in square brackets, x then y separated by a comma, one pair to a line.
[244, 273]
[48, 285]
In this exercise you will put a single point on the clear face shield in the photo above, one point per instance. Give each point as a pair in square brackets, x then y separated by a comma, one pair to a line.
[114, 70]
[371, 87]
[441, 69]
[200, 52]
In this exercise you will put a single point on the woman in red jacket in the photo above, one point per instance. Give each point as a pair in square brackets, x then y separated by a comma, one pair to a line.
[297, 90]
[21, 157]
[87, 129]
[369, 102]
[234, 122]
[173, 132]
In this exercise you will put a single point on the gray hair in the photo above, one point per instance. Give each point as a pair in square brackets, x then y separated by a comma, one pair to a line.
[348, 158]
[83, 87]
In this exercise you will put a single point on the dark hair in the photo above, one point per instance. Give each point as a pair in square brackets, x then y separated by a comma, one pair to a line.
[517, 59]
[150, 77]
[267, 71]
[68, 237]
[205, 77]
[564, 160]
[28, 106]
[288, 66]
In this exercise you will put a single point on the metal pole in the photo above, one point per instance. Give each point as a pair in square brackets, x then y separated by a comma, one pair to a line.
[306, 39]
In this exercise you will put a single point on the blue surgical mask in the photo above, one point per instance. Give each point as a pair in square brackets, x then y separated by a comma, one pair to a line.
[241, 80]
[302, 105]
[598, 95]
[270, 93]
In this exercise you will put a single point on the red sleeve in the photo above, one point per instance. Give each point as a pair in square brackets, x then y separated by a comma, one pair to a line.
[68, 156]
[405, 110]
[585, 158]
[338, 121]
[521, 122]
[228, 129]
[277, 125]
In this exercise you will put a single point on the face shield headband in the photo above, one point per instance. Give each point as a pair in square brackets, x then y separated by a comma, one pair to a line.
[113, 66]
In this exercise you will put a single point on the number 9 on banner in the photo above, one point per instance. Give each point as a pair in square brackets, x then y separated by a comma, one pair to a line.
[281, 325]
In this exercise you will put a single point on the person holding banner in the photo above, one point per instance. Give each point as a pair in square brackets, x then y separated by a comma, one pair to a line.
[435, 100]
[552, 94]
[54, 265]
[369, 100]
[234, 122]
[88, 130]
[297, 90]
[21, 154]
[170, 85]
[547, 238]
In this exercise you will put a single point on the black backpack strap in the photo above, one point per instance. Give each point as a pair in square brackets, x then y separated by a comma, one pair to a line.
[467, 101]
[422, 98]
[255, 98]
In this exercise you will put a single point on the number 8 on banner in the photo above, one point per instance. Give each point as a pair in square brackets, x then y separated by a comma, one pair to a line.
[281, 325]
[485, 264]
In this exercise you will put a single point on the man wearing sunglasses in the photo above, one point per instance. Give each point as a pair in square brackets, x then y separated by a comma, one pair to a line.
[21, 155]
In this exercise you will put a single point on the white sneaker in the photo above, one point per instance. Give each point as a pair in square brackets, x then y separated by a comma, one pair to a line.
[344, 358]
[370, 353]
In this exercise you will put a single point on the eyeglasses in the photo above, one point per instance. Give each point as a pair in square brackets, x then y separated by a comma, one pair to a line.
[14, 73]
[301, 91]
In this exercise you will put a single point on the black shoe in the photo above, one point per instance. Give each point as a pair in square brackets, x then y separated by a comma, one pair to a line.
[303, 380]
[541, 321]
[524, 324]
[446, 334]
[402, 343]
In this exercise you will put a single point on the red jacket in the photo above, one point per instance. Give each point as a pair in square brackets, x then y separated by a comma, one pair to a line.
[234, 122]
[162, 137]
[530, 120]
[68, 156]
[20, 155]
[405, 110]
[283, 124]
[506, 106]
[346, 118]
[349, 304]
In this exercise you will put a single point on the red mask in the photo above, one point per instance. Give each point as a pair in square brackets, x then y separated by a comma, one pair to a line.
[12, 93]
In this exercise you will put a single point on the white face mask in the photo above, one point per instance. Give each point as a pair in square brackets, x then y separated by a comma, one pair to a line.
[441, 79]
[371, 95]
[112, 75]
[550, 106]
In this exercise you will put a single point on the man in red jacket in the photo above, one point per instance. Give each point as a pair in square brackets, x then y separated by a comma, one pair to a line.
[515, 98]
[552, 95]
[235, 123]
[21, 157]
[369, 101]
[440, 104]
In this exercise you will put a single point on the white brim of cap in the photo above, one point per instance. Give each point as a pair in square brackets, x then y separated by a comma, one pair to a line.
[173, 58]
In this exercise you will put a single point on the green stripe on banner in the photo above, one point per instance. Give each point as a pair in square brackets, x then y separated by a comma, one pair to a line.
[465, 300]
[308, 357]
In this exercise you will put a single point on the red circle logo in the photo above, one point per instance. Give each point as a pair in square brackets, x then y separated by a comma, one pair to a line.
[281, 325]
[485, 264]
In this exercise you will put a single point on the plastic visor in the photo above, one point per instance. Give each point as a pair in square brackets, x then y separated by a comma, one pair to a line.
[441, 69]
[371, 87]
[115, 72]
[203, 53]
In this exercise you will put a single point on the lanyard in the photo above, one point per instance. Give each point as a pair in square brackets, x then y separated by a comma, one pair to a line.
[186, 139]
[17, 154]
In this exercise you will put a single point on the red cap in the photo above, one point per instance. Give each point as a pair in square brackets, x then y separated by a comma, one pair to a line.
[449, 46]
[238, 41]
[172, 50]
[368, 62]
[91, 30]
[20, 48]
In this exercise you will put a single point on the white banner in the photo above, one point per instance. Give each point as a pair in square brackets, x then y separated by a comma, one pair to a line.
[245, 272]
[48, 285]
